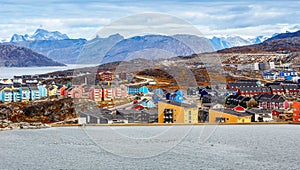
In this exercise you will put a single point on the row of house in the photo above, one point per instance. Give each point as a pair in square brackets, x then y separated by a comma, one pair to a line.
[95, 92]
[103, 116]
[263, 101]
[131, 90]
[253, 88]
[26, 93]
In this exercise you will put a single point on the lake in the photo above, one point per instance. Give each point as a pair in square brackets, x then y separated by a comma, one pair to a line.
[149, 147]
[9, 72]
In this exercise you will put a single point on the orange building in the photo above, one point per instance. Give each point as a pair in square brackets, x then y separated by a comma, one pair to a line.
[175, 112]
[296, 111]
[236, 115]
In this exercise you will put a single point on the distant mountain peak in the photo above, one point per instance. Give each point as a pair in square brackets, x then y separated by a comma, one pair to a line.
[39, 34]
[287, 34]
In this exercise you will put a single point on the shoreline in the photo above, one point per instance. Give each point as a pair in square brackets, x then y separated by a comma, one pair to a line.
[183, 124]
[144, 124]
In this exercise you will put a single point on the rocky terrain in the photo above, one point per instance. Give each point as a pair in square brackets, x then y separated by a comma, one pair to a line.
[14, 56]
[44, 111]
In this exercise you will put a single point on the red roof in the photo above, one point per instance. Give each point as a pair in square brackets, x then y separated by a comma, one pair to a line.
[239, 109]
[138, 107]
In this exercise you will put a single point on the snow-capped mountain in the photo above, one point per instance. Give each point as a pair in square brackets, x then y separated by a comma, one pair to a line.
[40, 34]
[258, 39]
[284, 42]
[219, 43]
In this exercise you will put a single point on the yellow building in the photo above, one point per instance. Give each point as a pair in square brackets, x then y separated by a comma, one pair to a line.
[175, 112]
[52, 90]
[228, 116]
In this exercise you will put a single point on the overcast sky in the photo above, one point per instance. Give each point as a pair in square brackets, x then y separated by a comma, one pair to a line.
[83, 19]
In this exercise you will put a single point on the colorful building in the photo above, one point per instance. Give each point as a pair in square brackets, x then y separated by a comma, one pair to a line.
[148, 103]
[34, 93]
[133, 89]
[25, 93]
[52, 90]
[106, 76]
[236, 115]
[143, 90]
[296, 111]
[175, 112]
[42, 90]
[177, 96]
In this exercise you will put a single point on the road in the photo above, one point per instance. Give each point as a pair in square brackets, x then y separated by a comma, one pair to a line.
[146, 81]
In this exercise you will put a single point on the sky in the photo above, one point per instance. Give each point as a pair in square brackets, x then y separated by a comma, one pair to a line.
[85, 18]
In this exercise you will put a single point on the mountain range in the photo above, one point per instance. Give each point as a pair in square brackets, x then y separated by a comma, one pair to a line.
[54, 45]
[61, 48]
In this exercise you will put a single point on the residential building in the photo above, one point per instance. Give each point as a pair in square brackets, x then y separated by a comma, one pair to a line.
[192, 91]
[260, 115]
[25, 93]
[270, 101]
[236, 115]
[106, 76]
[176, 112]
[144, 90]
[147, 103]
[277, 89]
[296, 111]
[34, 93]
[133, 89]
[42, 90]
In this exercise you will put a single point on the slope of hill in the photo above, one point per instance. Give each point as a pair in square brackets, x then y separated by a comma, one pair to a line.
[14, 56]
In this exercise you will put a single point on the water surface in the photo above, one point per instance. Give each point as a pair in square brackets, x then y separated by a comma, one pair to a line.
[229, 147]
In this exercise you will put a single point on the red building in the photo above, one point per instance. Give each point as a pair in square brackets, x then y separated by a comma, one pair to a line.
[296, 111]
[252, 91]
[106, 76]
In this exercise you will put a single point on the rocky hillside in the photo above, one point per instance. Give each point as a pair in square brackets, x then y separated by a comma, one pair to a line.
[50, 111]
[14, 56]
[282, 43]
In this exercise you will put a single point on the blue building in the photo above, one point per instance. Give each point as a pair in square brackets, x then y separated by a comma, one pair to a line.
[16, 95]
[144, 90]
[34, 93]
[148, 103]
[204, 92]
[288, 73]
[269, 75]
[176, 96]
[6, 95]
[156, 98]
[159, 92]
[132, 90]
[42, 91]
[25, 93]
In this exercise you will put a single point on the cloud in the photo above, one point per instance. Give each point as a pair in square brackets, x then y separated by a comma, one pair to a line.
[80, 18]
